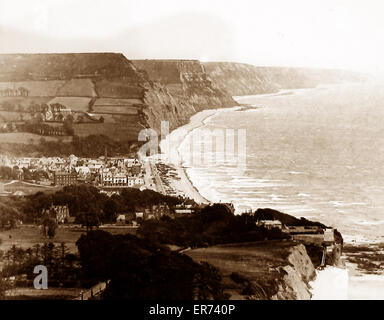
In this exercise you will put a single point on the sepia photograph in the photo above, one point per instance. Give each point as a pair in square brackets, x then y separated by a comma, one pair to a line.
[189, 151]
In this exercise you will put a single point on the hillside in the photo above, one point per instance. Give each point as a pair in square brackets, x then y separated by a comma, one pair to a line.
[105, 93]
[244, 79]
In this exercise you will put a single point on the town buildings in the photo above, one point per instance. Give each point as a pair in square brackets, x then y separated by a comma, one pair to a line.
[102, 172]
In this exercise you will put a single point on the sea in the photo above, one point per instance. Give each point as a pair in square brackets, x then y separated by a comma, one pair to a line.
[316, 153]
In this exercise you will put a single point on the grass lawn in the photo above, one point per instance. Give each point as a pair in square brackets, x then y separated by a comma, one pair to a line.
[28, 188]
[29, 235]
[25, 137]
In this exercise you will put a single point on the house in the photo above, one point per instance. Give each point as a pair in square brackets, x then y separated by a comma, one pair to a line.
[121, 219]
[139, 215]
[304, 229]
[159, 210]
[59, 212]
[62, 213]
[270, 224]
[120, 179]
[329, 235]
[64, 178]
[184, 209]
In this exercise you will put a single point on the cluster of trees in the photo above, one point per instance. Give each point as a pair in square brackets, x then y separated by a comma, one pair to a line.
[139, 269]
[63, 267]
[8, 106]
[213, 225]
[90, 146]
[10, 213]
[89, 207]
[38, 127]
[42, 129]
[33, 107]
[8, 173]
[288, 220]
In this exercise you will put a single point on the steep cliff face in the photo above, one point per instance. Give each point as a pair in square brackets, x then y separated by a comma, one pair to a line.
[296, 276]
[267, 270]
[245, 79]
[179, 89]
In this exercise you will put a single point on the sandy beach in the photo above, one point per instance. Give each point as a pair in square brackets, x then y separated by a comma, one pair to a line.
[180, 183]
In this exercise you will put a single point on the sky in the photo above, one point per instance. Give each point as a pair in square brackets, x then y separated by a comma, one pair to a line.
[346, 34]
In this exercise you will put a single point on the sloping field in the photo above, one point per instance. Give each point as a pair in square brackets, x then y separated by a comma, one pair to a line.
[74, 103]
[47, 88]
[18, 67]
[120, 106]
[24, 101]
[27, 188]
[78, 88]
[118, 88]
[115, 109]
[6, 116]
[116, 102]
[23, 137]
[116, 131]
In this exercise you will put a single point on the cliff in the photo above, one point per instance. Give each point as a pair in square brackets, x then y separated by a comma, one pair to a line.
[267, 270]
[244, 79]
[179, 89]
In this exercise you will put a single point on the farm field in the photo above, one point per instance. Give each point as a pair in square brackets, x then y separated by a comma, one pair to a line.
[116, 102]
[118, 88]
[39, 88]
[124, 131]
[24, 137]
[77, 88]
[25, 101]
[74, 103]
[115, 109]
[12, 116]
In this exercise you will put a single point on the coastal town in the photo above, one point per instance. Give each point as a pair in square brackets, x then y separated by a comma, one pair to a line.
[110, 175]
[107, 174]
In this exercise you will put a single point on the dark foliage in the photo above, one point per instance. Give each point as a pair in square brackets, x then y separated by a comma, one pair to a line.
[140, 269]
[90, 146]
[213, 225]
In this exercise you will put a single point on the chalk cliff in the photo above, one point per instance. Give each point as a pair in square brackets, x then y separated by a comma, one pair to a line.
[244, 79]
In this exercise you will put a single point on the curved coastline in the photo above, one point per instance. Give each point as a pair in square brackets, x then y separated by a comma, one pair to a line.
[170, 148]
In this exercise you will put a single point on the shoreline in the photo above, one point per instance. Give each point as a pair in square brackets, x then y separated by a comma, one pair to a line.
[170, 152]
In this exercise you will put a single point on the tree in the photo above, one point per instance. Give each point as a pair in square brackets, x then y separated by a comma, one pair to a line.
[8, 215]
[68, 127]
[110, 209]
[49, 226]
